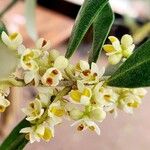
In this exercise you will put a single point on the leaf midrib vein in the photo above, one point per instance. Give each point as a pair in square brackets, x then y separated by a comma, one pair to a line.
[138, 64]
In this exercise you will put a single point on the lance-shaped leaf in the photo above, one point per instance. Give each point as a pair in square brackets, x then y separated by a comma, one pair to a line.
[8, 61]
[30, 6]
[85, 18]
[135, 72]
[16, 140]
[101, 28]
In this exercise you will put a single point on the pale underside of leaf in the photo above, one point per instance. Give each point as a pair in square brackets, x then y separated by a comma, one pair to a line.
[30, 6]
[8, 61]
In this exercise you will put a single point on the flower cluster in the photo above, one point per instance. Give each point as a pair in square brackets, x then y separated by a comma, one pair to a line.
[116, 51]
[76, 92]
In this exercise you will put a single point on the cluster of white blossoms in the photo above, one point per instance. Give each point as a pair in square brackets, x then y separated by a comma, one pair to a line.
[65, 91]
[118, 50]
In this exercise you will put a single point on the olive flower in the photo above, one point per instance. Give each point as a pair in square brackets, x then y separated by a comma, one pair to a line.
[3, 103]
[116, 51]
[51, 77]
[13, 41]
[81, 95]
[89, 75]
[34, 110]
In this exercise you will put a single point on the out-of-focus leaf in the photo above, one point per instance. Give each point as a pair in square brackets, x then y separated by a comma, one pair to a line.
[85, 18]
[8, 61]
[135, 72]
[9, 82]
[16, 140]
[141, 33]
[101, 28]
[30, 6]
[9, 6]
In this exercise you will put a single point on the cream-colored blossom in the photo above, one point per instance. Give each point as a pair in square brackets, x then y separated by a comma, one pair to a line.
[51, 77]
[75, 114]
[45, 132]
[21, 49]
[42, 44]
[86, 119]
[34, 110]
[28, 59]
[86, 123]
[96, 113]
[45, 94]
[56, 111]
[130, 99]
[31, 134]
[105, 96]
[89, 75]
[81, 95]
[118, 50]
[53, 54]
[31, 76]
[61, 62]
[4, 103]
[13, 40]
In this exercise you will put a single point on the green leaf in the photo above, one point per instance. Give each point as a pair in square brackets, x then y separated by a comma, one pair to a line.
[135, 72]
[85, 18]
[2, 28]
[101, 28]
[30, 6]
[15, 140]
[8, 61]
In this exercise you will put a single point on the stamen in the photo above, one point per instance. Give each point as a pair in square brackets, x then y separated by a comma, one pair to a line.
[49, 81]
[44, 43]
[80, 127]
[86, 72]
[55, 72]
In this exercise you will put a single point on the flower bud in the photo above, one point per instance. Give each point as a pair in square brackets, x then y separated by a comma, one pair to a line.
[114, 59]
[61, 62]
[53, 54]
[42, 44]
[97, 114]
[76, 114]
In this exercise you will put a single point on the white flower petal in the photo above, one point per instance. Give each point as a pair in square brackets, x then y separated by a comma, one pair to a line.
[94, 68]
[126, 40]
[115, 42]
[21, 49]
[84, 65]
[80, 86]
[29, 76]
[61, 62]
[85, 100]
[42, 44]
[5, 38]
[114, 59]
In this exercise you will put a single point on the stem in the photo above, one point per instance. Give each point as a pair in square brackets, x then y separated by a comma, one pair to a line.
[58, 97]
[13, 2]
